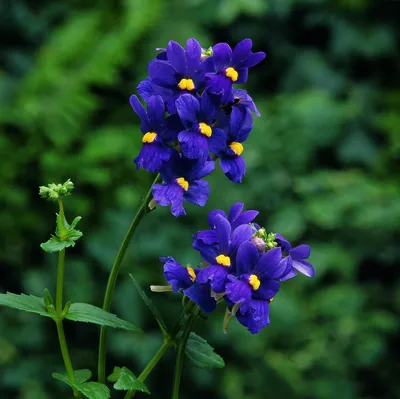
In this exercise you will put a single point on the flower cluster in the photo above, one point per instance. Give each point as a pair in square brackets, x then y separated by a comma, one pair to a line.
[243, 266]
[194, 115]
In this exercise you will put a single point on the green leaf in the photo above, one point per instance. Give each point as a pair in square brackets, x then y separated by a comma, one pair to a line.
[80, 375]
[28, 303]
[65, 236]
[201, 354]
[91, 314]
[125, 380]
[151, 306]
[92, 390]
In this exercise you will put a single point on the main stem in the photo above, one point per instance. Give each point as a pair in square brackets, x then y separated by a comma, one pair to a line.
[181, 352]
[59, 322]
[148, 369]
[112, 279]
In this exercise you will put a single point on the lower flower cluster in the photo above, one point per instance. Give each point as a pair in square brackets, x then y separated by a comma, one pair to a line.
[243, 266]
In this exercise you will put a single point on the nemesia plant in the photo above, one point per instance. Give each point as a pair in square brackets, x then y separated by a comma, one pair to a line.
[193, 117]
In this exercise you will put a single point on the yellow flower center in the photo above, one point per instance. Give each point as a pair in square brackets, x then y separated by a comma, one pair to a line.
[223, 260]
[183, 183]
[186, 84]
[205, 129]
[236, 147]
[192, 273]
[254, 282]
[231, 73]
[149, 137]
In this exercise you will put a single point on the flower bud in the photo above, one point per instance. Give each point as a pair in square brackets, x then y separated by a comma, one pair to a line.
[259, 243]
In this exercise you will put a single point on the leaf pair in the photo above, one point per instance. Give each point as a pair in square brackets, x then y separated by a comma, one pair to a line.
[65, 237]
[81, 312]
[91, 390]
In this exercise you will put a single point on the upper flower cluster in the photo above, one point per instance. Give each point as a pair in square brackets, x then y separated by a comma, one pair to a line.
[244, 267]
[194, 115]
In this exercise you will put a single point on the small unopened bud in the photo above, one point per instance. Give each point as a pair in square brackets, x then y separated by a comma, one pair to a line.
[206, 53]
[55, 191]
[259, 243]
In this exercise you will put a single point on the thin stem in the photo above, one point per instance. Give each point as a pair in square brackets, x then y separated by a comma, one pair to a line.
[112, 279]
[153, 362]
[181, 352]
[59, 322]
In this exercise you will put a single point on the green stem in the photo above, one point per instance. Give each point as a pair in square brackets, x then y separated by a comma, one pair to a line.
[59, 320]
[153, 362]
[181, 352]
[113, 278]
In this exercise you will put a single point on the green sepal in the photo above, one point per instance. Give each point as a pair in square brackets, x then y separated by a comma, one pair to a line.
[86, 313]
[125, 380]
[151, 307]
[92, 390]
[28, 303]
[65, 237]
[48, 301]
[201, 354]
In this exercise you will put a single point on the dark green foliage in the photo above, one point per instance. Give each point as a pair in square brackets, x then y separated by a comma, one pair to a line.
[323, 168]
[125, 380]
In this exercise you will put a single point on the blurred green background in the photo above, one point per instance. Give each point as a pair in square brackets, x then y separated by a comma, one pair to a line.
[323, 168]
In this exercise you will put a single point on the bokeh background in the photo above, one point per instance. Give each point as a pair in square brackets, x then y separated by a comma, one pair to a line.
[323, 168]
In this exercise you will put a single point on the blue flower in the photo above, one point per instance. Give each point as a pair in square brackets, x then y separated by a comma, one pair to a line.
[256, 275]
[256, 316]
[297, 256]
[200, 136]
[178, 276]
[182, 181]
[238, 129]
[176, 72]
[221, 255]
[235, 218]
[157, 131]
[244, 101]
[231, 67]
[184, 279]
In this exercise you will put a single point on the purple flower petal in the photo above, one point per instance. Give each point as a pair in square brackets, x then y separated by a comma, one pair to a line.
[144, 89]
[208, 237]
[244, 100]
[222, 54]
[201, 295]
[201, 169]
[193, 144]
[304, 267]
[193, 55]
[240, 234]
[139, 109]
[292, 273]
[269, 265]
[223, 231]
[209, 105]
[245, 218]
[152, 156]
[176, 56]
[237, 290]
[241, 53]
[207, 252]
[217, 141]
[188, 107]
[170, 194]
[162, 74]
[246, 258]
[243, 74]
[255, 58]
[300, 252]
[156, 112]
[241, 124]
[233, 168]
[212, 215]
[267, 290]
[284, 243]
[235, 211]
[216, 275]
[257, 316]
[176, 275]
[220, 84]
[197, 193]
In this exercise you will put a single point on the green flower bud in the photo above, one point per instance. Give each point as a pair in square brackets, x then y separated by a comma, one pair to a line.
[55, 191]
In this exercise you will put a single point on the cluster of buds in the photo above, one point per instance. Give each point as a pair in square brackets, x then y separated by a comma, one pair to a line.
[54, 192]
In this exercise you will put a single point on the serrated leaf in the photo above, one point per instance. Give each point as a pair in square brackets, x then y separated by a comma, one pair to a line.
[201, 354]
[28, 303]
[125, 380]
[151, 307]
[93, 390]
[56, 245]
[91, 314]
[80, 375]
